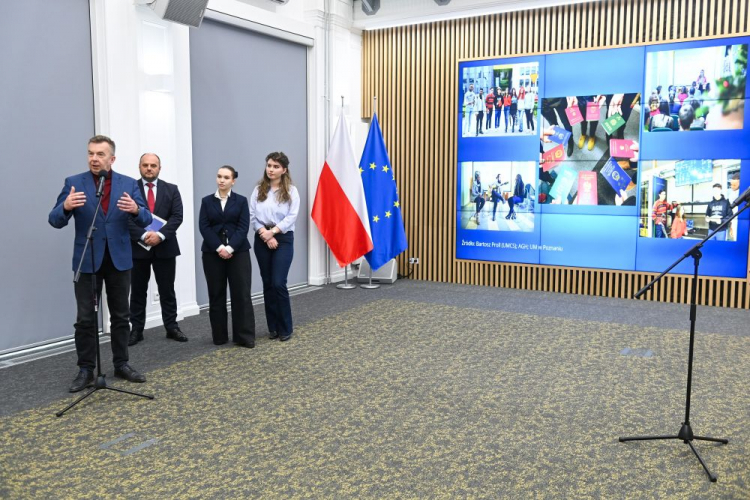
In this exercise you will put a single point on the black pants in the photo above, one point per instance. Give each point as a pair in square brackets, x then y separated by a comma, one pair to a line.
[274, 269]
[480, 119]
[164, 271]
[236, 271]
[118, 286]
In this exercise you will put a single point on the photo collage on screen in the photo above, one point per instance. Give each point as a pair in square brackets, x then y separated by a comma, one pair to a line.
[614, 158]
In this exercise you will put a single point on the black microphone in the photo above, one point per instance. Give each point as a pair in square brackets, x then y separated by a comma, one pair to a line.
[103, 176]
[743, 197]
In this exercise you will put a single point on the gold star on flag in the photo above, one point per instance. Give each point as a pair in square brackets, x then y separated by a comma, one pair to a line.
[387, 214]
[372, 166]
[360, 170]
[396, 204]
[376, 219]
[385, 168]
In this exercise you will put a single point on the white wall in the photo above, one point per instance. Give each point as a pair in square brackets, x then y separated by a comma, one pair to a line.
[142, 99]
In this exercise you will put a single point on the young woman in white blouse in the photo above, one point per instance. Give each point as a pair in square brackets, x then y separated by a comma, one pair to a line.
[274, 205]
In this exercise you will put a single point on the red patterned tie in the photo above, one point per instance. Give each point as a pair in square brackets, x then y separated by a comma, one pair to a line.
[150, 197]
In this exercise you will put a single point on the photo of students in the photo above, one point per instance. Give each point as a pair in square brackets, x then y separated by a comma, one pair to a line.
[679, 224]
[717, 212]
[509, 93]
[685, 198]
[512, 207]
[589, 149]
[707, 87]
[659, 214]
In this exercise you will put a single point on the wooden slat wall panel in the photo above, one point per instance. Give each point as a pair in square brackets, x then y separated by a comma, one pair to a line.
[413, 72]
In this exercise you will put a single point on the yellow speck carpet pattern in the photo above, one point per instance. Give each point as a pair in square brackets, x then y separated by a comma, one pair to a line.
[403, 399]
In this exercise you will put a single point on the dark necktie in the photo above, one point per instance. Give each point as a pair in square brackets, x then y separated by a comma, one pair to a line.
[150, 197]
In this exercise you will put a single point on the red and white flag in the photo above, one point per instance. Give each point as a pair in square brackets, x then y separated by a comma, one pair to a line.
[340, 209]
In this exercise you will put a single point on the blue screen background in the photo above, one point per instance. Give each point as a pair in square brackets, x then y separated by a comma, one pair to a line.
[605, 237]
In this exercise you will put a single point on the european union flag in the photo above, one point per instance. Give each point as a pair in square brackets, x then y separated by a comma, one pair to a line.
[383, 204]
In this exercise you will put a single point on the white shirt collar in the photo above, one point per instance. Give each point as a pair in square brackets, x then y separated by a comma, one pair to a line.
[216, 195]
[154, 182]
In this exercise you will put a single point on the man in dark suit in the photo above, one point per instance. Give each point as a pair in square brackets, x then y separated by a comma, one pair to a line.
[164, 201]
[112, 254]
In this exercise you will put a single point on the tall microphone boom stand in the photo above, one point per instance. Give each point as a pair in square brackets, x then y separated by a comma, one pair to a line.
[686, 431]
[101, 382]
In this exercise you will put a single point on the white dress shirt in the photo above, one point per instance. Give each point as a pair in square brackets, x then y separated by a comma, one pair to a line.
[223, 201]
[271, 212]
[145, 189]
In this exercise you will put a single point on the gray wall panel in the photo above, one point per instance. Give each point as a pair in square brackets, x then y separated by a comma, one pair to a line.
[46, 117]
[249, 97]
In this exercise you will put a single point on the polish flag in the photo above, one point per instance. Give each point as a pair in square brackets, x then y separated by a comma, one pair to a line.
[340, 209]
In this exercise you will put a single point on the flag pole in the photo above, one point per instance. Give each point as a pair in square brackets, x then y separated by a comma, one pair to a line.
[369, 285]
[345, 285]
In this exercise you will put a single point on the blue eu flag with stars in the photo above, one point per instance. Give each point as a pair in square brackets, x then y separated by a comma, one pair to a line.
[383, 204]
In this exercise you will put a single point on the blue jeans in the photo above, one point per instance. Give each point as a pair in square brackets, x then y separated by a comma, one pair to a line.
[521, 118]
[720, 236]
[274, 268]
[660, 232]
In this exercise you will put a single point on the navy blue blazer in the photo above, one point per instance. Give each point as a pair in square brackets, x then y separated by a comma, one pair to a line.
[235, 219]
[111, 230]
[168, 206]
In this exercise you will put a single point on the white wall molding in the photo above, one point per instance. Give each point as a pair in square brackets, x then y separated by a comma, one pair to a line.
[404, 12]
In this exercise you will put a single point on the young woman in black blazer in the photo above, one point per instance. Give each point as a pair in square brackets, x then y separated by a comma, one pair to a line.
[224, 224]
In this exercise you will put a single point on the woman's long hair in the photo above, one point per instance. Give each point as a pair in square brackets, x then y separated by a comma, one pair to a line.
[285, 186]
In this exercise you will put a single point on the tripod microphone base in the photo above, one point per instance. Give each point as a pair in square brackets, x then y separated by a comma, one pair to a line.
[686, 436]
[99, 384]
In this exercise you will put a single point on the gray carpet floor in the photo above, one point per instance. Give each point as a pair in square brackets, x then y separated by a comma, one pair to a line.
[415, 390]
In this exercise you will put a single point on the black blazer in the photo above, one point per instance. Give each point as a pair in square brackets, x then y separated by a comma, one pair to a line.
[235, 219]
[168, 206]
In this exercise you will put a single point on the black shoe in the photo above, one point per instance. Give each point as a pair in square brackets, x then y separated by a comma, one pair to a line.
[273, 335]
[570, 146]
[177, 335]
[249, 345]
[84, 379]
[135, 337]
[508, 216]
[129, 374]
[286, 337]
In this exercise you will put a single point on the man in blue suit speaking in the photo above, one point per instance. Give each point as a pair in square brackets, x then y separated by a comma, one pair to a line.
[112, 255]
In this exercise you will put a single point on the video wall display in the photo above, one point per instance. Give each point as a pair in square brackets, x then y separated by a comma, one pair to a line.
[568, 159]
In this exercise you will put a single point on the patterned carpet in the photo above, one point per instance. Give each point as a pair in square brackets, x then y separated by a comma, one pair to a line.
[405, 399]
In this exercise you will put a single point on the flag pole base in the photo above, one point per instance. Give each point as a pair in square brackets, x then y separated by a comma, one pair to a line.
[369, 286]
[346, 285]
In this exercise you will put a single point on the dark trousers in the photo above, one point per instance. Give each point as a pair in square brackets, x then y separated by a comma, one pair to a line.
[164, 271]
[118, 286]
[529, 119]
[489, 119]
[480, 203]
[274, 268]
[498, 112]
[237, 271]
[480, 119]
[513, 201]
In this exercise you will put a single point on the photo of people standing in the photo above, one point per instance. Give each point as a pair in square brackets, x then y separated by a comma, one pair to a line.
[589, 149]
[696, 89]
[499, 100]
[687, 199]
[497, 196]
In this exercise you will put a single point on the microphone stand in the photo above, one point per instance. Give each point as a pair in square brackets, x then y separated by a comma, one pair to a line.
[686, 432]
[101, 382]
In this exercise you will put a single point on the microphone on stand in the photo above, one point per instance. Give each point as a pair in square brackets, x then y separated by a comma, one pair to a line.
[103, 176]
[744, 197]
